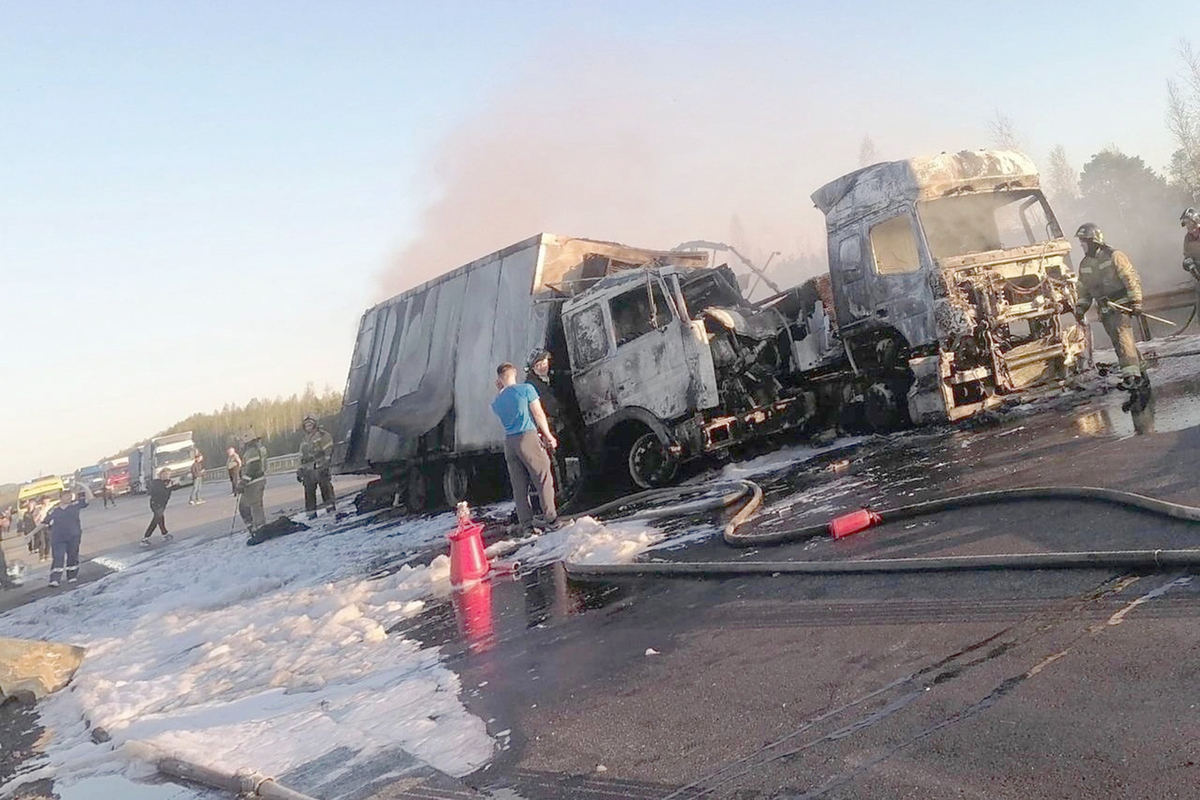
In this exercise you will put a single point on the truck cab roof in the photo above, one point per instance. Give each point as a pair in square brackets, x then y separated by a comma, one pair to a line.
[893, 183]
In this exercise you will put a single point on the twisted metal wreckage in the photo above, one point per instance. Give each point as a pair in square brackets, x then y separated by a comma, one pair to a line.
[949, 281]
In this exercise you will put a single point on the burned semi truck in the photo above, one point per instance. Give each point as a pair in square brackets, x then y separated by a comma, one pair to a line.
[950, 287]
[949, 278]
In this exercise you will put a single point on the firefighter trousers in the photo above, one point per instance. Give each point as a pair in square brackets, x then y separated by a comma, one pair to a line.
[1120, 330]
[251, 504]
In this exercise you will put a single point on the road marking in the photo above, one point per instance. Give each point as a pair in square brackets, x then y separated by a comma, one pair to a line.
[1119, 617]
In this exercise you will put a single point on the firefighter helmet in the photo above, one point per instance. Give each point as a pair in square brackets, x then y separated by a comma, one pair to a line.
[1189, 215]
[1090, 231]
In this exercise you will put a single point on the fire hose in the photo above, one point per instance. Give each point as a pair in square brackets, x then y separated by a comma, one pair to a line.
[859, 520]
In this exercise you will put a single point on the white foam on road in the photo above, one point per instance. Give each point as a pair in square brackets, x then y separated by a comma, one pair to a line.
[264, 657]
[269, 657]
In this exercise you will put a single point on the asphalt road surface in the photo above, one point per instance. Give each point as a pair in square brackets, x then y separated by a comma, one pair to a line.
[1002, 684]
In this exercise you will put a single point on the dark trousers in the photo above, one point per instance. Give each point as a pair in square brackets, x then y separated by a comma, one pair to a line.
[159, 521]
[235, 475]
[527, 461]
[108, 498]
[66, 557]
[314, 478]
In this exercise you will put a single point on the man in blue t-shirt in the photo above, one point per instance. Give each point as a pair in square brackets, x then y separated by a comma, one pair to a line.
[520, 412]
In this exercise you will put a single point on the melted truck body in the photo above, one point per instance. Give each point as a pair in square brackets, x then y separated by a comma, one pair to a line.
[416, 408]
[949, 278]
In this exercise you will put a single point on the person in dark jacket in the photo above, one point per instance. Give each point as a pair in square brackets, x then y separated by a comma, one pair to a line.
[160, 493]
[66, 531]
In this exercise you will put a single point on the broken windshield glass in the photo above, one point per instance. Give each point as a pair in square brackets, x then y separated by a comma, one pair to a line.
[977, 223]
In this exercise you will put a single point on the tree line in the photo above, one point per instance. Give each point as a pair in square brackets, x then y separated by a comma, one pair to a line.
[276, 421]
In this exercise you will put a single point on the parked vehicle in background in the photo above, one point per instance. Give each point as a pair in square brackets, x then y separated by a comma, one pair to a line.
[173, 453]
[91, 478]
[52, 486]
[118, 476]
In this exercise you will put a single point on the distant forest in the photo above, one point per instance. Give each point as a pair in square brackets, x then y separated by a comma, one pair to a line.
[276, 420]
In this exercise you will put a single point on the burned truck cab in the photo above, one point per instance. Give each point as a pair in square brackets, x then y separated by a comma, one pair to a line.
[950, 281]
[669, 364]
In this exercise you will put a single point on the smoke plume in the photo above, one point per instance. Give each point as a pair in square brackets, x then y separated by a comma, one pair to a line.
[631, 147]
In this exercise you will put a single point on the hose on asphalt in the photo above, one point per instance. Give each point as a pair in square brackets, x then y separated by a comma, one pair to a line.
[659, 501]
[1093, 559]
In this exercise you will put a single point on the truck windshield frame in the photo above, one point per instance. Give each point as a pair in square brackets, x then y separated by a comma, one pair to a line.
[965, 224]
[172, 457]
[639, 311]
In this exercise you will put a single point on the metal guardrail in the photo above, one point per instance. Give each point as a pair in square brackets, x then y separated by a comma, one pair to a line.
[275, 465]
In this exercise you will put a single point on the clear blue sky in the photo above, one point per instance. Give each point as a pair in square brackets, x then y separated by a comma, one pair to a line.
[198, 199]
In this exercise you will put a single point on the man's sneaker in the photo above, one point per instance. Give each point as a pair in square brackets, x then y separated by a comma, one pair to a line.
[167, 537]
[53, 584]
[146, 542]
[73, 579]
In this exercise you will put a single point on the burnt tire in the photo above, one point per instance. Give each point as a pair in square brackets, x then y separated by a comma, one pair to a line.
[649, 462]
[885, 406]
[456, 483]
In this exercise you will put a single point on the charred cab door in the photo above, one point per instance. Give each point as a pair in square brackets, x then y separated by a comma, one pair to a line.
[899, 293]
[636, 360]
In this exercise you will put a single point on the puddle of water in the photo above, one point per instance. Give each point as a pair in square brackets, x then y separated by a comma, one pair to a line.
[483, 614]
[1173, 407]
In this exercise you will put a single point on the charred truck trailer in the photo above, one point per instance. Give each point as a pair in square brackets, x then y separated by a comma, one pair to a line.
[949, 276]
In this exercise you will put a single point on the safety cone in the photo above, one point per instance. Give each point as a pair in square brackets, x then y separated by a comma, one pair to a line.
[468, 561]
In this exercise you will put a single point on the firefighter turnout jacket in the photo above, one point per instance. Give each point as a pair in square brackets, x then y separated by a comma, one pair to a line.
[254, 461]
[316, 450]
[1108, 275]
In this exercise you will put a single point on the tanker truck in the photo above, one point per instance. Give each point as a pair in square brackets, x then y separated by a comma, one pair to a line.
[948, 284]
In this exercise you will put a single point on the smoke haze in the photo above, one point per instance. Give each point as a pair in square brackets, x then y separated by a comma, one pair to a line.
[634, 147]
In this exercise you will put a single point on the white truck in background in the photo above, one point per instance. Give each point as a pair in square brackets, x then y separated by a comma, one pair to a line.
[172, 452]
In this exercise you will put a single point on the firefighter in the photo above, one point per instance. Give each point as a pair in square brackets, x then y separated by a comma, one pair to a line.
[316, 453]
[1190, 219]
[538, 375]
[1107, 276]
[254, 481]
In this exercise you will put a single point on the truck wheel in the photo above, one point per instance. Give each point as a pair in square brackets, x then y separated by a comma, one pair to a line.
[417, 496]
[885, 406]
[650, 464]
[456, 483]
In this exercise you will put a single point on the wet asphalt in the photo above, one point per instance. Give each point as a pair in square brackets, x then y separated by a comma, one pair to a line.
[1000, 684]
[1072, 684]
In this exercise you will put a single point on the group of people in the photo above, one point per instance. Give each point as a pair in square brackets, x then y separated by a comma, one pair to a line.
[247, 469]
[52, 529]
[529, 439]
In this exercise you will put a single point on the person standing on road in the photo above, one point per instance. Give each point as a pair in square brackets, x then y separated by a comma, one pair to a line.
[1107, 276]
[160, 493]
[316, 455]
[233, 463]
[520, 412]
[253, 482]
[197, 478]
[107, 491]
[66, 531]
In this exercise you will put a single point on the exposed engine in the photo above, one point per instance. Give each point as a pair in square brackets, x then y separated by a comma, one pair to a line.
[749, 354]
